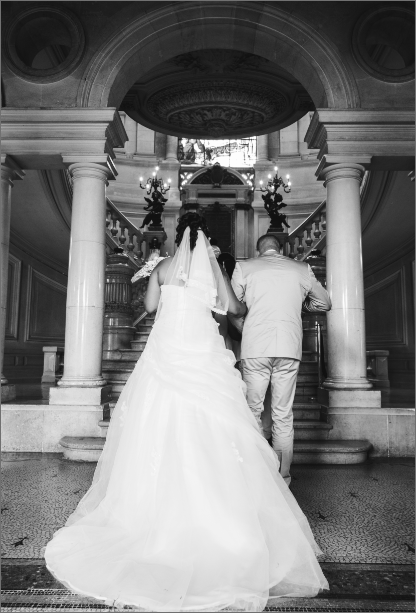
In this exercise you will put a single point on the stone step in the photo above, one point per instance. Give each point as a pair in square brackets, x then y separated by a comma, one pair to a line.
[118, 376]
[331, 452]
[110, 365]
[306, 412]
[88, 449]
[138, 345]
[82, 448]
[311, 430]
[121, 354]
[141, 336]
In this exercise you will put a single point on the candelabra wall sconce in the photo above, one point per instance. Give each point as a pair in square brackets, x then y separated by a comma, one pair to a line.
[153, 183]
[274, 183]
[273, 201]
[156, 188]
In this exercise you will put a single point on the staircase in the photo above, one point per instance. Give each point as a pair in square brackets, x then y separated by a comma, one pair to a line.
[313, 444]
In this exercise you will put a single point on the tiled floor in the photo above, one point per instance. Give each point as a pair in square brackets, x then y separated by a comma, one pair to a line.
[362, 517]
[359, 514]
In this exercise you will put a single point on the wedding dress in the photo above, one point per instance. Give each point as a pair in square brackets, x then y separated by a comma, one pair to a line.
[187, 510]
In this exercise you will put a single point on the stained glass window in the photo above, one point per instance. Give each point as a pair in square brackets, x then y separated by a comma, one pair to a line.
[237, 152]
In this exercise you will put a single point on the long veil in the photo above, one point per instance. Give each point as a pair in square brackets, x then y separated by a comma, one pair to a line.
[198, 271]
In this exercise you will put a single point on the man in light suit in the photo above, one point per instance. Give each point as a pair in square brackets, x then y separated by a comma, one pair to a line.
[274, 289]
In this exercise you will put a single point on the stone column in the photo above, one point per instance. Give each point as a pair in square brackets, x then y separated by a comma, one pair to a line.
[9, 172]
[86, 285]
[347, 365]
[171, 149]
[263, 148]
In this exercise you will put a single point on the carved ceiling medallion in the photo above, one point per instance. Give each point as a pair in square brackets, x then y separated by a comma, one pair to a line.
[216, 106]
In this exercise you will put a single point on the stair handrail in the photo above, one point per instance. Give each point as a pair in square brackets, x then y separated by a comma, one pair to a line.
[117, 233]
[317, 217]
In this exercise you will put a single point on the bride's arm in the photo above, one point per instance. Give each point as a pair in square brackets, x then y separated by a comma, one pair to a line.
[156, 279]
[235, 307]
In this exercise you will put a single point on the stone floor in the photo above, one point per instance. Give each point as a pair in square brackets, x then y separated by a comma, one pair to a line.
[362, 517]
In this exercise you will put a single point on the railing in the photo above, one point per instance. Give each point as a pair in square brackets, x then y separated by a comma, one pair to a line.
[311, 234]
[308, 235]
[120, 231]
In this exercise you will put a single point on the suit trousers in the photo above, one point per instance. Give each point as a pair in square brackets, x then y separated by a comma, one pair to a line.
[281, 373]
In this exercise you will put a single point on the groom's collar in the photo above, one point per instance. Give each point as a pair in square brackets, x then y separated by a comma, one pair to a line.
[270, 252]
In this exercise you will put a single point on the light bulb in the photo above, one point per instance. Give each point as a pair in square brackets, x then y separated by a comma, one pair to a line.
[165, 185]
[269, 176]
[287, 176]
[275, 168]
[261, 182]
[169, 180]
[289, 183]
[141, 179]
[154, 174]
[156, 167]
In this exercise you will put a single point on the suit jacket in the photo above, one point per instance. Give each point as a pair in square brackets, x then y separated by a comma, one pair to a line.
[274, 289]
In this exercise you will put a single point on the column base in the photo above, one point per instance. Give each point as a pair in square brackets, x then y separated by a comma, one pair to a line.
[80, 396]
[347, 384]
[87, 383]
[8, 392]
[352, 398]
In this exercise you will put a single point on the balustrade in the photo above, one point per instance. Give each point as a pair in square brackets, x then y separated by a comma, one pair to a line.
[309, 235]
[123, 234]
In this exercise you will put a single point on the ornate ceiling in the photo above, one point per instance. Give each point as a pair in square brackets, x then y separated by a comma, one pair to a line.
[217, 93]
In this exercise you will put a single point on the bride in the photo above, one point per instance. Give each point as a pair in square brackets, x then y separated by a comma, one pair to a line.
[187, 510]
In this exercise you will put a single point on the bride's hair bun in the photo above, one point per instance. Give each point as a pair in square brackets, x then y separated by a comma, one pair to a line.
[195, 222]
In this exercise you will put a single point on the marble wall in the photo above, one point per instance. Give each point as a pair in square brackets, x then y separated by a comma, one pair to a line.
[35, 318]
[390, 315]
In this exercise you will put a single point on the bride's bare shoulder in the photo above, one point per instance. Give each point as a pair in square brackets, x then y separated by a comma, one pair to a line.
[162, 269]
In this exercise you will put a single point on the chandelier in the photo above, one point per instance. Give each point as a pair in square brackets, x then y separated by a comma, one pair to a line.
[153, 183]
[274, 183]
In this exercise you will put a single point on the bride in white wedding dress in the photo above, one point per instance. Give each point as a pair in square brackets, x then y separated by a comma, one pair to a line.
[187, 510]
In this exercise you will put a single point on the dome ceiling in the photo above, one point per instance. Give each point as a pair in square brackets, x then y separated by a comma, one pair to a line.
[217, 93]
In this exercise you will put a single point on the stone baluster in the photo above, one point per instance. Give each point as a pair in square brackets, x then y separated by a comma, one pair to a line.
[309, 239]
[86, 286]
[300, 248]
[292, 241]
[347, 364]
[9, 173]
[317, 232]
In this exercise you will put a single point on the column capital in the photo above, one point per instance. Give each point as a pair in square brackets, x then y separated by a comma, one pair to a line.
[102, 163]
[10, 171]
[342, 171]
[89, 169]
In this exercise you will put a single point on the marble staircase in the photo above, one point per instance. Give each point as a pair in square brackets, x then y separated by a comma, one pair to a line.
[313, 444]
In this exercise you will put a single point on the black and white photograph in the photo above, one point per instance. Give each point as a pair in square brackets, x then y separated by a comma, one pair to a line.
[208, 306]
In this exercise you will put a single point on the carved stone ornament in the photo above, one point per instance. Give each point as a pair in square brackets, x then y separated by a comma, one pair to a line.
[216, 106]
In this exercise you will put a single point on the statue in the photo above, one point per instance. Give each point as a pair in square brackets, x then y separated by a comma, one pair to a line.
[273, 202]
[155, 206]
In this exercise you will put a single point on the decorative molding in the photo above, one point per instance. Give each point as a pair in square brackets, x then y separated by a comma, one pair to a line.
[13, 298]
[315, 52]
[51, 138]
[391, 257]
[380, 139]
[66, 65]
[366, 28]
[394, 283]
[229, 177]
[23, 245]
[217, 106]
[55, 300]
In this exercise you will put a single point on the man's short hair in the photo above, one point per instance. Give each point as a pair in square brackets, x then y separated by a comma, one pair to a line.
[267, 241]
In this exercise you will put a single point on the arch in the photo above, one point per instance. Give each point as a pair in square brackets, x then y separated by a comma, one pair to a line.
[250, 27]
